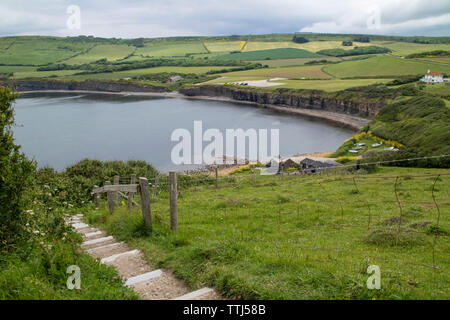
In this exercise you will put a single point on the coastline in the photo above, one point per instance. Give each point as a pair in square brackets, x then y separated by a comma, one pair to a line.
[351, 122]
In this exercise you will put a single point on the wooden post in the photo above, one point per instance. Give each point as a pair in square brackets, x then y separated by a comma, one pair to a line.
[173, 202]
[217, 178]
[281, 167]
[110, 197]
[145, 201]
[115, 194]
[155, 187]
[131, 194]
[96, 199]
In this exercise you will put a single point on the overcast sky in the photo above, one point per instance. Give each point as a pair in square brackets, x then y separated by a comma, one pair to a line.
[157, 18]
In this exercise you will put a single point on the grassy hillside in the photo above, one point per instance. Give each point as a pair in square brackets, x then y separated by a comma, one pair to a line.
[303, 237]
[421, 124]
[111, 59]
[382, 66]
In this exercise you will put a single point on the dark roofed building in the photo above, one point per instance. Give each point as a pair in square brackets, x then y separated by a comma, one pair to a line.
[310, 165]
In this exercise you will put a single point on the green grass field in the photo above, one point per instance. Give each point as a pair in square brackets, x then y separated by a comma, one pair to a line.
[292, 62]
[36, 51]
[328, 85]
[137, 72]
[382, 66]
[303, 237]
[271, 54]
[224, 46]
[285, 59]
[172, 50]
[110, 52]
[311, 72]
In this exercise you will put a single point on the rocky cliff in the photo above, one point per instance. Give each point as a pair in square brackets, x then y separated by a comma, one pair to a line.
[86, 85]
[314, 100]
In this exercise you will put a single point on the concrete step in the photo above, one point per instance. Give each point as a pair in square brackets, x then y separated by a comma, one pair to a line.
[143, 277]
[120, 255]
[87, 230]
[166, 286]
[108, 250]
[128, 264]
[79, 225]
[94, 235]
[198, 295]
[97, 242]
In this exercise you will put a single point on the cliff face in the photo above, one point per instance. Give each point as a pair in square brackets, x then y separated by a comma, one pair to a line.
[88, 85]
[366, 108]
[362, 107]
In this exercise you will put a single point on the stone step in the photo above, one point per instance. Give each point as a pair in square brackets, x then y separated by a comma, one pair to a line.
[128, 264]
[97, 242]
[87, 230]
[143, 277]
[196, 295]
[108, 250]
[119, 255]
[164, 287]
[79, 225]
[94, 235]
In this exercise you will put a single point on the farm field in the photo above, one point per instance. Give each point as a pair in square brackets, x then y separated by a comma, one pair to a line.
[303, 237]
[225, 46]
[325, 85]
[39, 52]
[282, 53]
[312, 46]
[284, 58]
[381, 66]
[137, 72]
[329, 85]
[311, 72]
[406, 48]
[444, 60]
[102, 51]
[292, 62]
[171, 50]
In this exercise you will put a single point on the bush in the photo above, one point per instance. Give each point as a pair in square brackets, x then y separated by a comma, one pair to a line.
[15, 175]
[299, 39]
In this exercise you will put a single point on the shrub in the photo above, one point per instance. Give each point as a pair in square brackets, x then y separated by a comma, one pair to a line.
[15, 175]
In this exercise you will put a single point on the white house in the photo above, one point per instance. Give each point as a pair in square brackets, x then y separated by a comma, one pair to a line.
[433, 77]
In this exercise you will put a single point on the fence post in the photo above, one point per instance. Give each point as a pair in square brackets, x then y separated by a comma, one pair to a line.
[281, 167]
[173, 202]
[110, 198]
[115, 193]
[155, 187]
[254, 174]
[131, 194]
[217, 178]
[96, 199]
[145, 202]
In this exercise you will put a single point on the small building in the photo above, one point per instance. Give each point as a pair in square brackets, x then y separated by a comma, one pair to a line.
[313, 166]
[289, 163]
[433, 77]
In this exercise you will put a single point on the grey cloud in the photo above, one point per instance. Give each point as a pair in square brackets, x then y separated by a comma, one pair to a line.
[139, 18]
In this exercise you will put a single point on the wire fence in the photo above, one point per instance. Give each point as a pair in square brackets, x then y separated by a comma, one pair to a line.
[330, 221]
